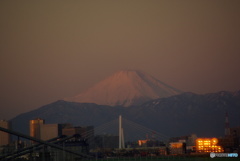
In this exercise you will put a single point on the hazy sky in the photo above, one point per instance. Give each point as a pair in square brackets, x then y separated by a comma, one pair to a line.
[55, 49]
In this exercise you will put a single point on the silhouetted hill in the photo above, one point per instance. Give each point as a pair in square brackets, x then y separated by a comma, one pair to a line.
[177, 115]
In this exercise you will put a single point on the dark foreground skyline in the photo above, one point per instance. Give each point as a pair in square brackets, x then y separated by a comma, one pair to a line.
[52, 50]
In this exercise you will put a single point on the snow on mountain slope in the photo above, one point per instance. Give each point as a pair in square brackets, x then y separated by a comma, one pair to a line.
[126, 88]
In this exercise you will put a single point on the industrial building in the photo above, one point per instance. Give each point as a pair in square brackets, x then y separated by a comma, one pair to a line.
[182, 144]
[177, 147]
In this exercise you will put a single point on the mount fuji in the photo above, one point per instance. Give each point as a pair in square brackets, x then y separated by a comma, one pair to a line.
[125, 88]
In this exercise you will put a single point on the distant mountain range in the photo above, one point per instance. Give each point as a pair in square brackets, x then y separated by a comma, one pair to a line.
[145, 100]
[176, 115]
[125, 88]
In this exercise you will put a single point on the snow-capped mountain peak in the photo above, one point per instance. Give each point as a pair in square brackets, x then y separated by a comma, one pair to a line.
[125, 88]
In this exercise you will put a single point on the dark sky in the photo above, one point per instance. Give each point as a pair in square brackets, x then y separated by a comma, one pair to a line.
[51, 50]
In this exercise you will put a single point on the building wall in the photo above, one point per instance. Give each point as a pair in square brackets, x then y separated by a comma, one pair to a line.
[4, 137]
[35, 127]
[49, 131]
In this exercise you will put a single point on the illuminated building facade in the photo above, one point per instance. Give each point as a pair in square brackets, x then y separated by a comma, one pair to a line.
[208, 145]
[35, 128]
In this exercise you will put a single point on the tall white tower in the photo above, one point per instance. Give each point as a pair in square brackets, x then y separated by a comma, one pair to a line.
[121, 135]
